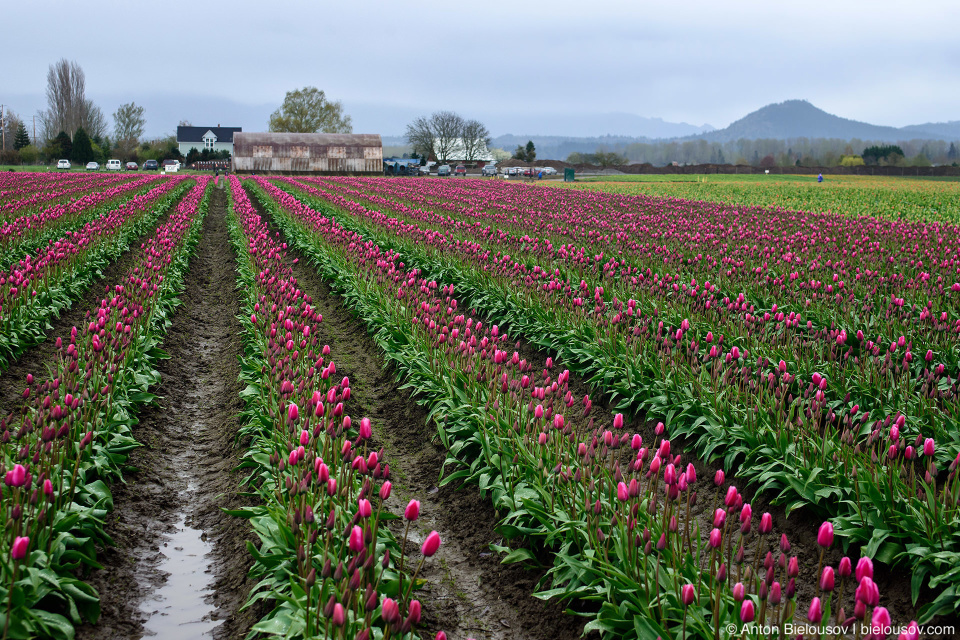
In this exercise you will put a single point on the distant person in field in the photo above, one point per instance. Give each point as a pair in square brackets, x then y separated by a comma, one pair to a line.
[820, 178]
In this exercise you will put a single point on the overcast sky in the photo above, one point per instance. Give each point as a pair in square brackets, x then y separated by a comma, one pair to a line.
[523, 67]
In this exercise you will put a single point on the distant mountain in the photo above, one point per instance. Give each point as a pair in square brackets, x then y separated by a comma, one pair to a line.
[800, 119]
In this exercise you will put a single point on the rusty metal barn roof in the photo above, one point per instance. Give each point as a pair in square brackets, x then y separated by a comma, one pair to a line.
[320, 139]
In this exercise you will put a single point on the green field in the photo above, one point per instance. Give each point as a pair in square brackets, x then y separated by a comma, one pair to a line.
[887, 197]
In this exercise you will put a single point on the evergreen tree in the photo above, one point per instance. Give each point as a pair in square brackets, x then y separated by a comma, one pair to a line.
[82, 152]
[531, 151]
[952, 154]
[21, 139]
[62, 146]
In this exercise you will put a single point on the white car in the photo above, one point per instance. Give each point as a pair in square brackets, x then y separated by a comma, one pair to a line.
[93, 166]
[549, 171]
[489, 170]
[63, 164]
[114, 165]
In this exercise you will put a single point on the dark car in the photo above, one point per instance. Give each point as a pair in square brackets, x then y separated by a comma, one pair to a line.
[460, 170]
[151, 165]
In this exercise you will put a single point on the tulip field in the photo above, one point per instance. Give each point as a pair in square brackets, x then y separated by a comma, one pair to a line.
[690, 418]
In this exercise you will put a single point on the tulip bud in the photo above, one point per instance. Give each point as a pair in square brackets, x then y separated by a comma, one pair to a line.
[825, 535]
[431, 544]
[815, 613]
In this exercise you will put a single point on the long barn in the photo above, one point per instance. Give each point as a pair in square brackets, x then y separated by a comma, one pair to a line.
[326, 153]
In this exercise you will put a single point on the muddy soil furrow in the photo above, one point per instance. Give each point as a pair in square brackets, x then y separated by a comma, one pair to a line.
[185, 471]
[467, 593]
[37, 359]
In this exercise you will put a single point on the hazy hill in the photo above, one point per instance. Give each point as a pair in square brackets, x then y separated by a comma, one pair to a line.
[800, 119]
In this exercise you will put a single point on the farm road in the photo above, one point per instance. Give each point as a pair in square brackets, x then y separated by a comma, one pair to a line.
[167, 515]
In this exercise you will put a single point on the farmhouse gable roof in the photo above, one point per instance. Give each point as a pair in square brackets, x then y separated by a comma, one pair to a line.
[197, 134]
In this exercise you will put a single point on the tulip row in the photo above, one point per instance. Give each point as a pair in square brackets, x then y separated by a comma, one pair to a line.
[735, 303]
[867, 280]
[327, 559]
[766, 420]
[73, 433]
[41, 285]
[25, 191]
[617, 512]
[23, 234]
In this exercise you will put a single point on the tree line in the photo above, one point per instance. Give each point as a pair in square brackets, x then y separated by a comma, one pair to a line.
[812, 152]
[72, 127]
[445, 135]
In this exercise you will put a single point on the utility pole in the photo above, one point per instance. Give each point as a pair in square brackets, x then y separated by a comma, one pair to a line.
[3, 131]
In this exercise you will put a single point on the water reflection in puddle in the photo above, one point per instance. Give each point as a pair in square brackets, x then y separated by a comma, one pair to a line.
[178, 608]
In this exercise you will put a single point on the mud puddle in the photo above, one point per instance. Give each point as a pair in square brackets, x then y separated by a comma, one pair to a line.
[179, 566]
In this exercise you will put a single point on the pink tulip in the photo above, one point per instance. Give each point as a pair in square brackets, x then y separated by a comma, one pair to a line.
[364, 508]
[622, 493]
[414, 611]
[16, 477]
[431, 544]
[864, 568]
[825, 535]
[412, 512]
[293, 413]
[746, 611]
[366, 429]
[827, 580]
[880, 623]
[688, 594]
[766, 523]
[928, 447]
[390, 611]
[339, 617]
[716, 538]
[385, 490]
[815, 613]
[356, 539]
[844, 569]
[19, 549]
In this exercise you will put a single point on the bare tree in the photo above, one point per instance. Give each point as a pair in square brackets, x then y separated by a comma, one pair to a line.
[476, 139]
[448, 129]
[128, 125]
[93, 121]
[11, 122]
[67, 106]
[421, 137]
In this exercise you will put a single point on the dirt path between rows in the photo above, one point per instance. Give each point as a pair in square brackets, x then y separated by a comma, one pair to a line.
[468, 593]
[179, 566]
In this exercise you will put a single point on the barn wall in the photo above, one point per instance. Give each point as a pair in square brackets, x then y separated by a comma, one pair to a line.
[333, 153]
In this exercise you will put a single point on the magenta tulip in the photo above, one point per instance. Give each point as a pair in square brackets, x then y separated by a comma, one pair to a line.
[19, 549]
[431, 544]
[825, 535]
[412, 512]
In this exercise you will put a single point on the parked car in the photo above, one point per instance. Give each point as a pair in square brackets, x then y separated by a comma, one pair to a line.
[132, 166]
[514, 171]
[425, 170]
[171, 165]
[93, 166]
[530, 172]
[549, 171]
[444, 170]
[461, 170]
[489, 170]
[63, 164]
[151, 165]
[114, 165]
